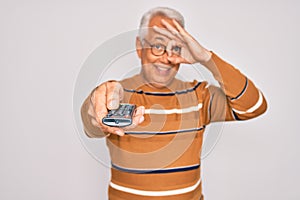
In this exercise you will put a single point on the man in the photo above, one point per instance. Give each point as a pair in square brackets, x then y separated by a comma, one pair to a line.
[158, 156]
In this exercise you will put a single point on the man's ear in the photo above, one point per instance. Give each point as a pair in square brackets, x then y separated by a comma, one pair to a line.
[138, 46]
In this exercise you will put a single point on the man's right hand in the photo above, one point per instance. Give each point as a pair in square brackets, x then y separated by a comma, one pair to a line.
[105, 97]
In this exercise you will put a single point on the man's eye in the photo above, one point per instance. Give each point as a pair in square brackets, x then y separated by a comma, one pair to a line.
[158, 46]
[177, 49]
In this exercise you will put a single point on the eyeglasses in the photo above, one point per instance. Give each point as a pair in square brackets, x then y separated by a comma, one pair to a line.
[159, 49]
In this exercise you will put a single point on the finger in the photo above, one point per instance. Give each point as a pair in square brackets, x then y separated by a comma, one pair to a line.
[112, 130]
[114, 94]
[93, 116]
[164, 32]
[98, 110]
[99, 124]
[139, 114]
[104, 128]
[170, 48]
[172, 29]
[178, 60]
[181, 30]
[98, 101]
[95, 123]
[91, 111]
[137, 118]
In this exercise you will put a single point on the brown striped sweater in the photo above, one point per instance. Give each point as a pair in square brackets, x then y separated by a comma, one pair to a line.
[160, 159]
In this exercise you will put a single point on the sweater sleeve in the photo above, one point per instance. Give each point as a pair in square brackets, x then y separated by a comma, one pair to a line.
[237, 99]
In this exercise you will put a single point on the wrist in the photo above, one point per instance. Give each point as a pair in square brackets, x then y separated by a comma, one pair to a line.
[206, 57]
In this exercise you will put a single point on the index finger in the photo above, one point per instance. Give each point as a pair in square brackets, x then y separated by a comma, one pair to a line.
[166, 32]
[181, 30]
[173, 30]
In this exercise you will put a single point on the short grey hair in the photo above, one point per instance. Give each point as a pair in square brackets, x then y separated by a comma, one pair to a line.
[163, 11]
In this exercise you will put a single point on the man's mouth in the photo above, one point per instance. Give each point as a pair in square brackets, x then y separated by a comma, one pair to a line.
[162, 70]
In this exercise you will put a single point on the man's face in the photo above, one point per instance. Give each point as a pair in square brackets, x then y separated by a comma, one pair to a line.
[157, 70]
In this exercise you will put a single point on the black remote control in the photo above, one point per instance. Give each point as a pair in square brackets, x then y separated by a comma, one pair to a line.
[120, 117]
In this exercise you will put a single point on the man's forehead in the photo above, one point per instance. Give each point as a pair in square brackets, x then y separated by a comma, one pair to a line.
[156, 21]
[152, 36]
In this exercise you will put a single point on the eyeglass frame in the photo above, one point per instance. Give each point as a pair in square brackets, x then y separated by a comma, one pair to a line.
[164, 49]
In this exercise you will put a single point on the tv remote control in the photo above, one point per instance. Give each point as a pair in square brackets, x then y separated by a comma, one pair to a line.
[120, 117]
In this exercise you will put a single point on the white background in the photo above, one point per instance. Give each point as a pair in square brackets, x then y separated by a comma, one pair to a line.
[43, 45]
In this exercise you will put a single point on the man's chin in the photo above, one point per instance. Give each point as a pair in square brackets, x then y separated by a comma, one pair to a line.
[160, 85]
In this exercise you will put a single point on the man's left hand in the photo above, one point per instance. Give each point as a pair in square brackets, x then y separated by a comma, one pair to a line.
[191, 51]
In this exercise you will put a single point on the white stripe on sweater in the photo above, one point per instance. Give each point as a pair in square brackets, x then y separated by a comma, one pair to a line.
[155, 193]
[174, 111]
[253, 108]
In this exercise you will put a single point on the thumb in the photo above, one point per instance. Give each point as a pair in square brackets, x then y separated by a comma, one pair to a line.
[178, 60]
[137, 118]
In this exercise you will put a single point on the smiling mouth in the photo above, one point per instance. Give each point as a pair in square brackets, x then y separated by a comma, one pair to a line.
[163, 70]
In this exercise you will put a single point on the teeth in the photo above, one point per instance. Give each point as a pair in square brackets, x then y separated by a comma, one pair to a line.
[163, 69]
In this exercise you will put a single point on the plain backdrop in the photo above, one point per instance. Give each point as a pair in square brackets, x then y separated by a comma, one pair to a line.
[43, 45]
